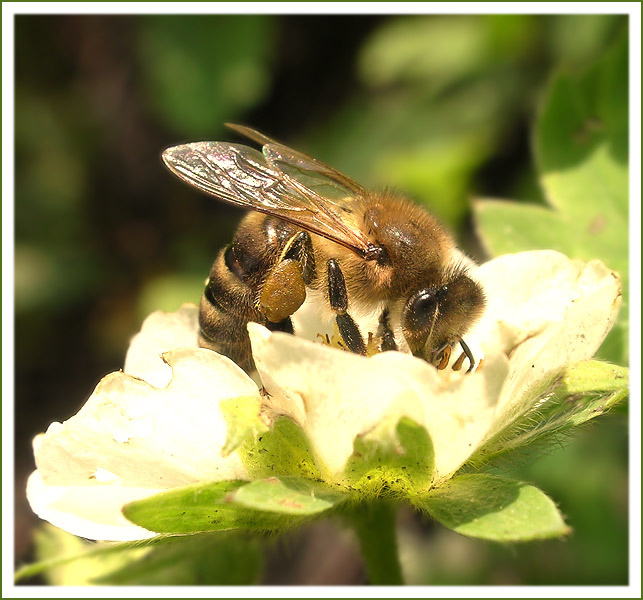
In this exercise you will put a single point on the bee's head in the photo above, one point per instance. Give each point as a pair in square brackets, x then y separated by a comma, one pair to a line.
[437, 316]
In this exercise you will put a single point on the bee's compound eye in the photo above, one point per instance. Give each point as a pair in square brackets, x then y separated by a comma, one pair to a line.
[421, 307]
[419, 317]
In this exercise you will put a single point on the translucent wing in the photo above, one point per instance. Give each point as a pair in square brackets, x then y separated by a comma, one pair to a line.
[281, 182]
[279, 153]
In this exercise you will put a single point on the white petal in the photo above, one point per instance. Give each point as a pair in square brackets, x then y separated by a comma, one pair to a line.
[146, 436]
[584, 300]
[459, 409]
[526, 292]
[142, 436]
[91, 512]
[336, 396]
[161, 332]
[333, 395]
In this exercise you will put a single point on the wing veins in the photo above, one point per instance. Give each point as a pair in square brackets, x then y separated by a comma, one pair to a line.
[257, 180]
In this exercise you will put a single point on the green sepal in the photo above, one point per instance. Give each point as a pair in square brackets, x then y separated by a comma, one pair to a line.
[583, 391]
[200, 508]
[297, 497]
[281, 451]
[242, 418]
[396, 457]
[494, 508]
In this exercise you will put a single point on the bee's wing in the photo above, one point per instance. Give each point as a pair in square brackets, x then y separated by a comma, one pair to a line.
[280, 182]
[280, 153]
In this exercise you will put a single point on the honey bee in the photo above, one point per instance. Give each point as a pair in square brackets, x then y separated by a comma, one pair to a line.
[315, 235]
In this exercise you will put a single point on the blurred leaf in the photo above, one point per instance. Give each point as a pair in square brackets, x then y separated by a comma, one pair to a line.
[168, 292]
[426, 49]
[494, 508]
[581, 146]
[213, 559]
[191, 560]
[439, 50]
[201, 508]
[203, 70]
[576, 38]
[396, 455]
[581, 141]
[69, 560]
[299, 497]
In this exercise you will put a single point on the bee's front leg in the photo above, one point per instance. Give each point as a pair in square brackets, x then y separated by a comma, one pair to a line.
[284, 290]
[338, 298]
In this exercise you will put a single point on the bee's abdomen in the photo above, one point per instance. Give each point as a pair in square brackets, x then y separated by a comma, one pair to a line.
[229, 300]
[226, 307]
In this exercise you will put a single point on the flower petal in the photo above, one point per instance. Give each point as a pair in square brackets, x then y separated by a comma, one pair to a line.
[149, 437]
[570, 309]
[528, 291]
[90, 512]
[131, 435]
[335, 396]
[161, 332]
[459, 409]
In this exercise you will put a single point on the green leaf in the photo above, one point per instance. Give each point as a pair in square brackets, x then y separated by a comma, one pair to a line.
[494, 508]
[582, 392]
[581, 139]
[396, 456]
[582, 152]
[282, 451]
[65, 559]
[200, 508]
[210, 559]
[509, 227]
[290, 496]
[202, 70]
[243, 421]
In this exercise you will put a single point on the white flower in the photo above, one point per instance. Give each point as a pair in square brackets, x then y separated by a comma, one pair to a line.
[154, 427]
[159, 425]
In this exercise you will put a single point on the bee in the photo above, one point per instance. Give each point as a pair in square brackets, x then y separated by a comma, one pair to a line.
[314, 237]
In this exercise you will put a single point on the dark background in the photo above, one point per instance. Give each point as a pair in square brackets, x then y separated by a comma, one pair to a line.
[440, 106]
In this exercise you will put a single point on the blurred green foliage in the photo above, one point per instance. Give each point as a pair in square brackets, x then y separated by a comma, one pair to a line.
[442, 107]
[581, 145]
[193, 560]
[223, 65]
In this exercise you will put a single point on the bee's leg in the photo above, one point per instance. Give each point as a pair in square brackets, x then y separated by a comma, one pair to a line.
[457, 365]
[444, 360]
[284, 290]
[440, 356]
[465, 352]
[385, 333]
[300, 247]
[338, 297]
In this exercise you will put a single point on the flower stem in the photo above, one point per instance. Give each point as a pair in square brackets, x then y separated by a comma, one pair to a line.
[374, 524]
